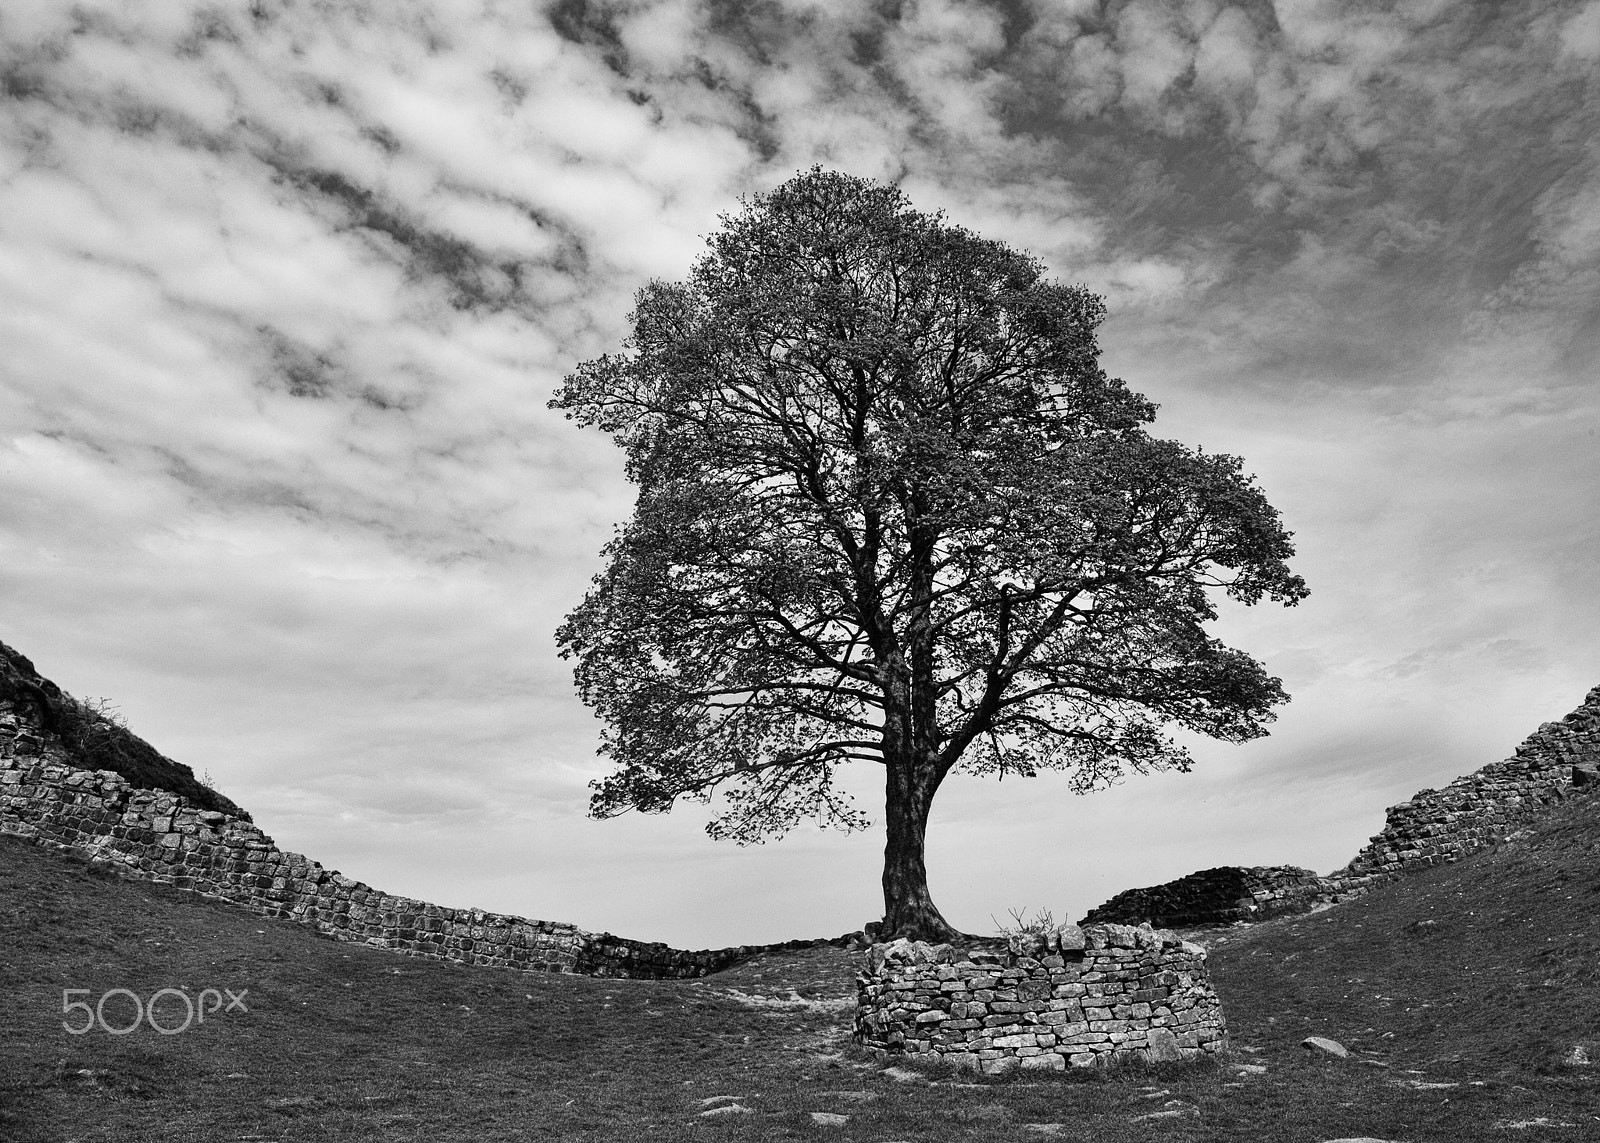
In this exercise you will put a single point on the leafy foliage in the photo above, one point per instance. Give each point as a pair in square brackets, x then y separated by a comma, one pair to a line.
[891, 509]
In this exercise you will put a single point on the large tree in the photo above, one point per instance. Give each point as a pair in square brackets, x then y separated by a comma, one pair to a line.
[891, 511]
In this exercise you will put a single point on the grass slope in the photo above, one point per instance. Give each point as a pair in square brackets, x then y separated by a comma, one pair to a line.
[1488, 966]
[343, 1042]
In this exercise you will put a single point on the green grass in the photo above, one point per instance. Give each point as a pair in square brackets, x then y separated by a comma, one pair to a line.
[343, 1042]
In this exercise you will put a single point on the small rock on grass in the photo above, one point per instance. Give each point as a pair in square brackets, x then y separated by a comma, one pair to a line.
[1323, 1044]
[1173, 1109]
[904, 1075]
[829, 1119]
[726, 1109]
[710, 1099]
[1045, 1128]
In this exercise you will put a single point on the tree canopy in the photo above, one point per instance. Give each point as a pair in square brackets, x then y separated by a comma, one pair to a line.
[892, 511]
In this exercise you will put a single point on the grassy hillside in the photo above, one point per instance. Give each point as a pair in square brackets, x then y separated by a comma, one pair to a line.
[1489, 967]
[1456, 1026]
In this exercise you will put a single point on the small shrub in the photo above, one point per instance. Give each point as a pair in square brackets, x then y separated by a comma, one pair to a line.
[1021, 924]
[91, 729]
[94, 732]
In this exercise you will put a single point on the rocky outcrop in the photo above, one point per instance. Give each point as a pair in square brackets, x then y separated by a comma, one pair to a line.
[35, 700]
[1068, 998]
[93, 737]
[1473, 812]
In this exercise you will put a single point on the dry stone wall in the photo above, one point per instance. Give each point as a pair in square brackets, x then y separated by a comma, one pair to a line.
[1216, 896]
[1070, 998]
[1474, 811]
[1481, 808]
[160, 836]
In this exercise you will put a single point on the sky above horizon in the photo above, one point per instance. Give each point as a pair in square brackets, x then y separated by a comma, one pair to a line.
[285, 287]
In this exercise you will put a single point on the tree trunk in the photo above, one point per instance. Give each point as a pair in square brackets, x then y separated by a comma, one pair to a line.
[908, 910]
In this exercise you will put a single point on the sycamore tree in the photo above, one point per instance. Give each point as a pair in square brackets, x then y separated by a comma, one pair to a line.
[892, 512]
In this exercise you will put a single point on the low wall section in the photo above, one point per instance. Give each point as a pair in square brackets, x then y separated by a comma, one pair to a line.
[1072, 998]
[1471, 813]
[160, 836]
[1216, 896]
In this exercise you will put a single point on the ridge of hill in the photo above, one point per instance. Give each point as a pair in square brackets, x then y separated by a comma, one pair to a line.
[1432, 827]
[94, 737]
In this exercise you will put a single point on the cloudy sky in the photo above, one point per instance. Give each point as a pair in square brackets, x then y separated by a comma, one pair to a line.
[285, 286]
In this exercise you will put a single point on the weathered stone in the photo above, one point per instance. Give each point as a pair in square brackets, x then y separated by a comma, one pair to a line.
[1045, 1061]
[1028, 1022]
[725, 1109]
[1323, 1044]
[1168, 1113]
[1161, 1046]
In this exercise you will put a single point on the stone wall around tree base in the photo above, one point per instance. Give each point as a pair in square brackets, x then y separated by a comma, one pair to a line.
[1070, 998]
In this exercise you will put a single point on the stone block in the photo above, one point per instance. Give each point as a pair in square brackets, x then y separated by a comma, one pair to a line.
[1161, 1046]
[1044, 1061]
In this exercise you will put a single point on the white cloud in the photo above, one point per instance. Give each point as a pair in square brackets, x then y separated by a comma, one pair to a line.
[418, 216]
[1226, 54]
[1155, 53]
[661, 36]
[1580, 35]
